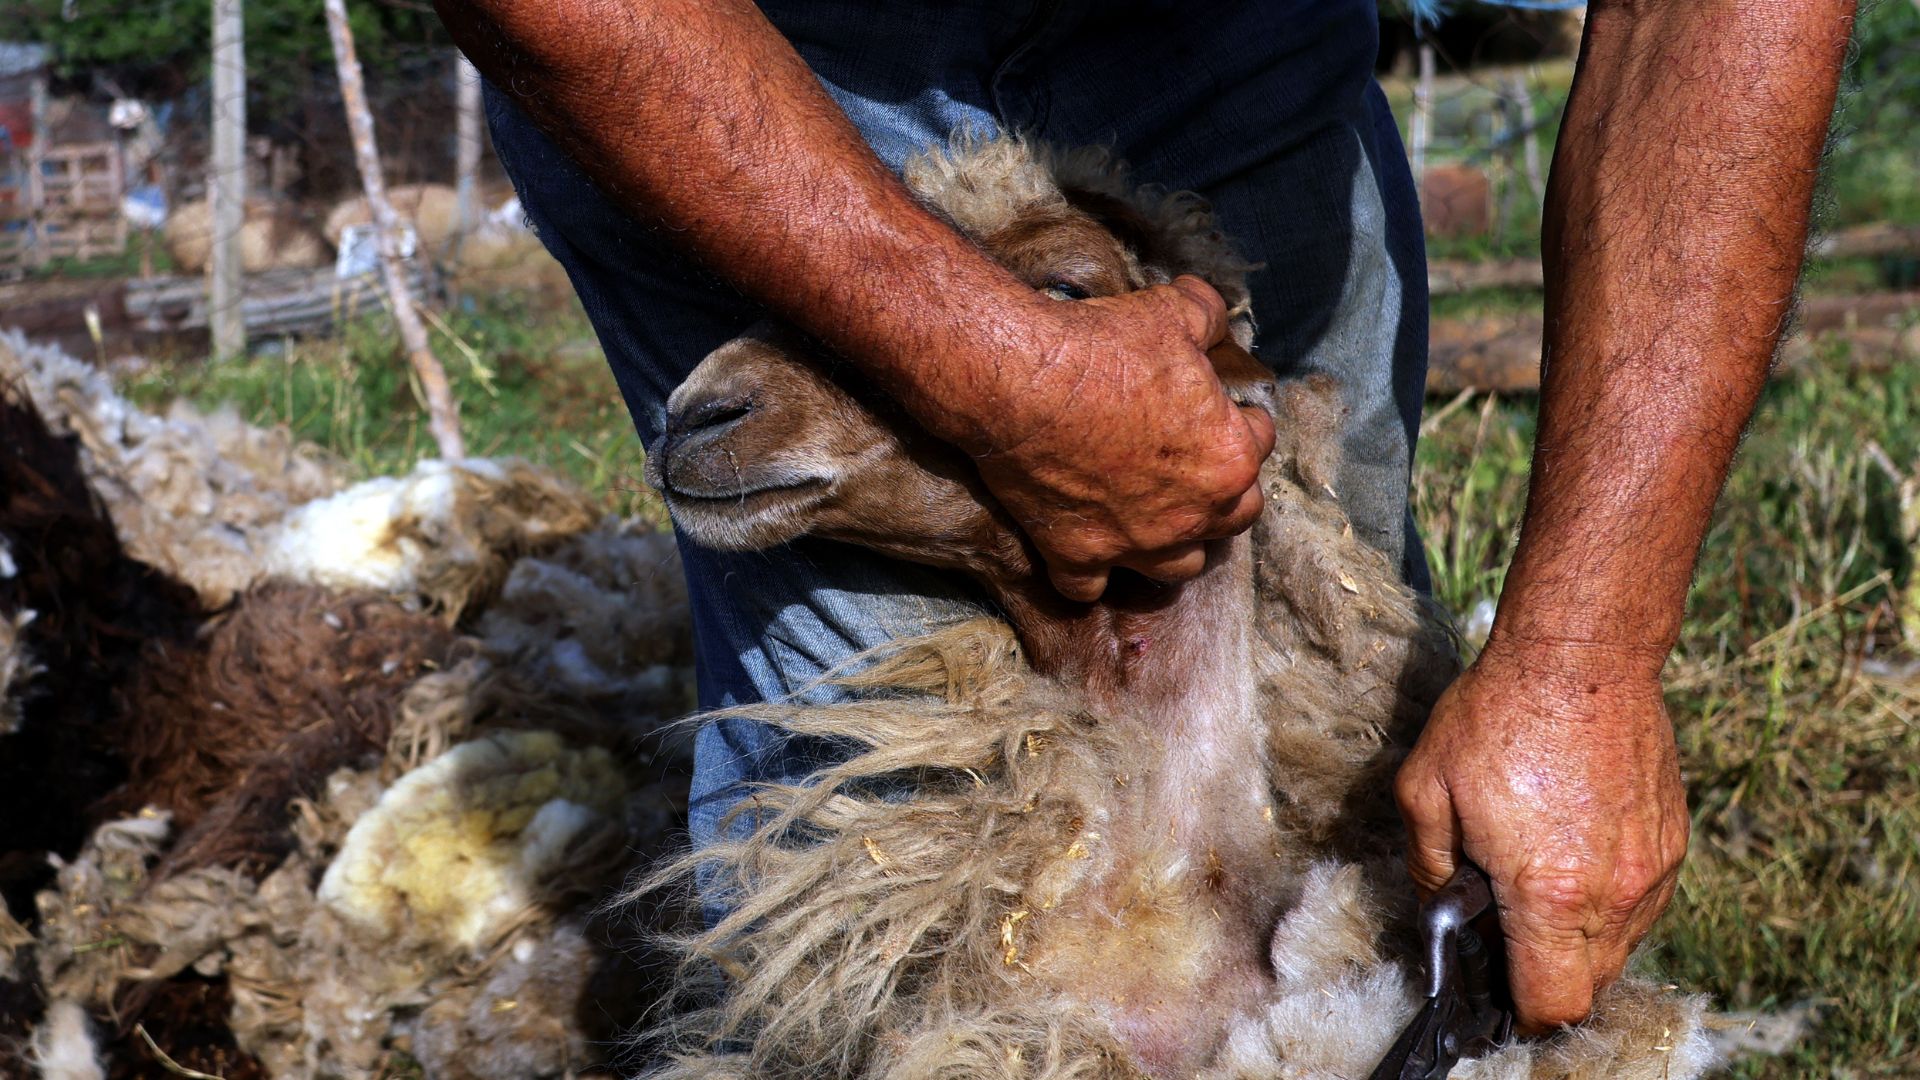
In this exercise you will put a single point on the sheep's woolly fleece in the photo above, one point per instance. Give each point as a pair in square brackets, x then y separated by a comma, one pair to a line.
[221, 504]
[887, 919]
[412, 776]
[189, 493]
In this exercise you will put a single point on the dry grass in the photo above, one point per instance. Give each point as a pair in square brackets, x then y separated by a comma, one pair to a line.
[1796, 695]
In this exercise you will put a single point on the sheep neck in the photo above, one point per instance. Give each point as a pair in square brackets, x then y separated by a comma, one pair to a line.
[1173, 663]
[1170, 671]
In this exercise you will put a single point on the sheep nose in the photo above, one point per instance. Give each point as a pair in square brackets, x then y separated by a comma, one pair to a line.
[709, 418]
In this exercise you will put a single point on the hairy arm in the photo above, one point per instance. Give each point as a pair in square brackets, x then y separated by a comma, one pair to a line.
[1675, 226]
[1100, 425]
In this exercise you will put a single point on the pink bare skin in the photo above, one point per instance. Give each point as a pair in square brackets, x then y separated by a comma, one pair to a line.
[1674, 234]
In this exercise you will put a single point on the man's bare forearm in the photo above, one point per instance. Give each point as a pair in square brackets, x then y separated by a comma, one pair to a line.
[1673, 237]
[1673, 234]
[697, 115]
[1099, 426]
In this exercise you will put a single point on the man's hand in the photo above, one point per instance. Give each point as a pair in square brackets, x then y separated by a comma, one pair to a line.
[1554, 769]
[1099, 424]
[1123, 450]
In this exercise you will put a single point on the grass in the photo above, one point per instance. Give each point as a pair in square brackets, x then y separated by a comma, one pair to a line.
[1804, 769]
[1872, 173]
[530, 381]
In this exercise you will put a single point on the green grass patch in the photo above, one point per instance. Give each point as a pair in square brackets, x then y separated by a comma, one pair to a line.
[529, 377]
[1804, 769]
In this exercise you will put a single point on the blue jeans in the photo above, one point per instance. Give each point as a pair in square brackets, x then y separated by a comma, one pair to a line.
[1268, 110]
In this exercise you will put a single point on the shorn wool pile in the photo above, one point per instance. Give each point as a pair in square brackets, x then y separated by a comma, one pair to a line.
[311, 780]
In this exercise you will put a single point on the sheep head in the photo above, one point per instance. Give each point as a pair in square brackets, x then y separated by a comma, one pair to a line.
[769, 439]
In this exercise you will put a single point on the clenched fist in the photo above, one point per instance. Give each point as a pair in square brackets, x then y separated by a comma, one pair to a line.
[1553, 767]
[1123, 449]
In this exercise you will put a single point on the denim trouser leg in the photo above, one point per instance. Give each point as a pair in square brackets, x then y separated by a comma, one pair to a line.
[1268, 110]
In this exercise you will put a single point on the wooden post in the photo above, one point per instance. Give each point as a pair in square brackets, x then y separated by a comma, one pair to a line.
[36, 170]
[466, 84]
[1530, 131]
[443, 415]
[227, 190]
[1420, 128]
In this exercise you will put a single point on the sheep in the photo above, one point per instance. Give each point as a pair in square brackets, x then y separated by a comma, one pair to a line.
[1144, 837]
[271, 238]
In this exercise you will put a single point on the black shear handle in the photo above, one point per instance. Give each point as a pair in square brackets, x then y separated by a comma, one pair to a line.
[1465, 1013]
[1446, 923]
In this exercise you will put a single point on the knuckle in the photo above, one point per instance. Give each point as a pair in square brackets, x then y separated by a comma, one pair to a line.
[1635, 879]
[1568, 1010]
[1420, 798]
[1552, 889]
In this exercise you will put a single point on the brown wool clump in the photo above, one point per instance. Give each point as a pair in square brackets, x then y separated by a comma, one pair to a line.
[93, 609]
[244, 744]
[274, 694]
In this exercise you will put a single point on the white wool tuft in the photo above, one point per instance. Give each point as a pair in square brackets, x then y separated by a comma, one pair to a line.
[457, 847]
[343, 542]
[1331, 928]
[1763, 1033]
[63, 1046]
[446, 531]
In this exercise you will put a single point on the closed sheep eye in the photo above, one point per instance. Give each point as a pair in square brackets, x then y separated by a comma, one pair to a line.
[1062, 289]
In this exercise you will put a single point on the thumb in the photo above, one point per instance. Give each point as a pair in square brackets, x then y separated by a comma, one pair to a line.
[1433, 830]
[1260, 426]
[1083, 583]
[1205, 313]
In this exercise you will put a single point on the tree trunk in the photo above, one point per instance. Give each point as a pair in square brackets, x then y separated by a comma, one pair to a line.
[443, 416]
[1420, 128]
[227, 186]
[36, 170]
[1530, 128]
[466, 165]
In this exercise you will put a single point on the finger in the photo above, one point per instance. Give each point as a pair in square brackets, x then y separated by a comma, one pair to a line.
[1611, 951]
[1085, 584]
[1551, 975]
[1238, 517]
[1433, 832]
[1206, 317]
[1260, 427]
[1177, 563]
